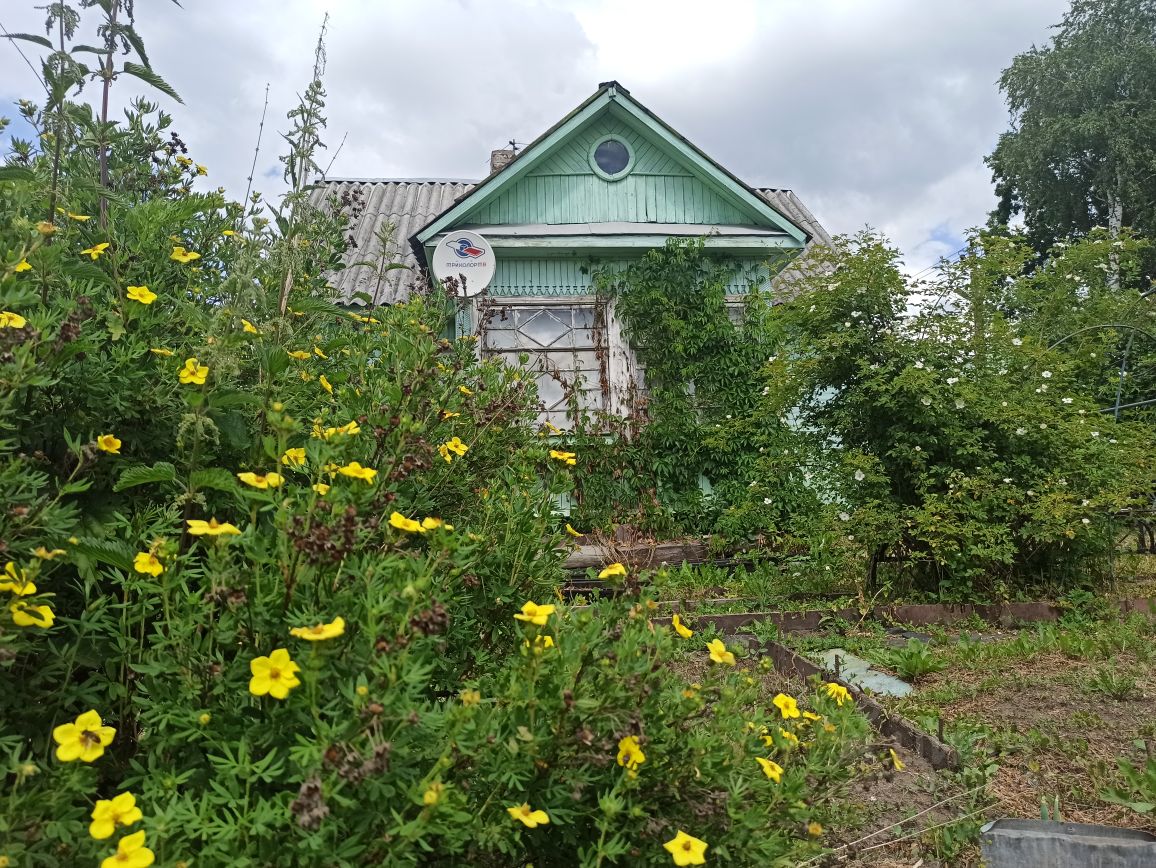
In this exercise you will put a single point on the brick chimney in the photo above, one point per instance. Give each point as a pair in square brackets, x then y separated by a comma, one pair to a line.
[500, 159]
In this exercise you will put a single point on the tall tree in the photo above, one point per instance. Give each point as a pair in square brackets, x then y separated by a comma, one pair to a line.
[1081, 151]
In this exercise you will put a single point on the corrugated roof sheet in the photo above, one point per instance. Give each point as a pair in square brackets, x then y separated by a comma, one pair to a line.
[403, 207]
[389, 211]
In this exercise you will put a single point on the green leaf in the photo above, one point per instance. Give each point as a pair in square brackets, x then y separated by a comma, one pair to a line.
[216, 478]
[104, 551]
[142, 474]
[137, 43]
[149, 77]
[16, 173]
[31, 37]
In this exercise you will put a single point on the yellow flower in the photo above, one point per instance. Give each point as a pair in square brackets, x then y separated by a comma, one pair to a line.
[183, 256]
[108, 443]
[10, 320]
[84, 739]
[228, 233]
[680, 628]
[197, 527]
[528, 817]
[142, 294]
[356, 471]
[148, 564]
[449, 414]
[24, 615]
[789, 737]
[249, 328]
[719, 653]
[453, 447]
[130, 853]
[275, 675]
[814, 829]
[465, 391]
[193, 373]
[110, 813]
[268, 480]
[16, 581]
[470, 697]
[771, 769]
[300, 355]
[321, 488]
[349, 428]
[810, 715]
[204, 718]
[201, 170]
[895, 760]
[541, 643]
[838, 692]
[433, 794]
[96, 250]
[46, 555]
[317, 352]
[22, 265]
[325, 384]
[294, 457]
[786, 706]
[396, 519]
[570, 530]
[79, 218]
[630, 753]
[431, 523]
[686, 849]
[161, 351]
[45, 227]
[615, 569]
[320, 632]
[184, 161]
[565, 457]
[535, 614]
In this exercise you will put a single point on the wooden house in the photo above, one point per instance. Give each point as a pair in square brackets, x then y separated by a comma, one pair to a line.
[605, 184]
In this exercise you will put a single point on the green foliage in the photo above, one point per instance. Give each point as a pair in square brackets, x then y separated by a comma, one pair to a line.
[685, 462]
[1140, 794]
[1111, 683]
[236, 471]
[946, 442]
[1080, 148]
[914, 660]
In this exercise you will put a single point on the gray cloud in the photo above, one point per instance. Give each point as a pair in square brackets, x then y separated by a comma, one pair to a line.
[878, 113]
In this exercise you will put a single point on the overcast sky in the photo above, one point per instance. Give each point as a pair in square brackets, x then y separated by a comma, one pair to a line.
[877, 112]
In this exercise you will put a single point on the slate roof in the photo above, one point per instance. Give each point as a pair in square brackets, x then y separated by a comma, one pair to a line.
[403, 206]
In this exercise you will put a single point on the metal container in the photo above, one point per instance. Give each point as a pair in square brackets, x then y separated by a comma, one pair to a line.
[1044, 844]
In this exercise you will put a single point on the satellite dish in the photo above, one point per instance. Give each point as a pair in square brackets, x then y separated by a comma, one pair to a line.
[467, 256]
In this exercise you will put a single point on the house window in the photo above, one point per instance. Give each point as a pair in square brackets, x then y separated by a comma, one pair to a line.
[563, 348]
[611, 158]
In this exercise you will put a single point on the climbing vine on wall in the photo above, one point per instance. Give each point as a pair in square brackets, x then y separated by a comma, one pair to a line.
[679, 460]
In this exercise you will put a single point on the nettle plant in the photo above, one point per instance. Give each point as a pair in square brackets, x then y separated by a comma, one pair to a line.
[954, 443]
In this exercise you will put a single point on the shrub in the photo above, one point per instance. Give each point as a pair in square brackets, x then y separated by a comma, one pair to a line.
[271, 568]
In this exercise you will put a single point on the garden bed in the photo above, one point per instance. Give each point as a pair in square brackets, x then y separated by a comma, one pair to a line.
[1037, 715]
[1053, 710]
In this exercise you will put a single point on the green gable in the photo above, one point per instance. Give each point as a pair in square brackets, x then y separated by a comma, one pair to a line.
[660, 187]
[669, 184]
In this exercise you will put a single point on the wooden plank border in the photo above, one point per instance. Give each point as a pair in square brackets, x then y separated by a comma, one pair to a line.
[906, 733]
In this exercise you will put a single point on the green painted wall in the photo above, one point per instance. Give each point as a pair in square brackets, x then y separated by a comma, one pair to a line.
[570, 276]
[564, 188]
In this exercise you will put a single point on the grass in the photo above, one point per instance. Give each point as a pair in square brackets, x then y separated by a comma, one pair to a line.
[1049, 710]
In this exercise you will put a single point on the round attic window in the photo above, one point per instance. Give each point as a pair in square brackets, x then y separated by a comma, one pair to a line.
[611, 158]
